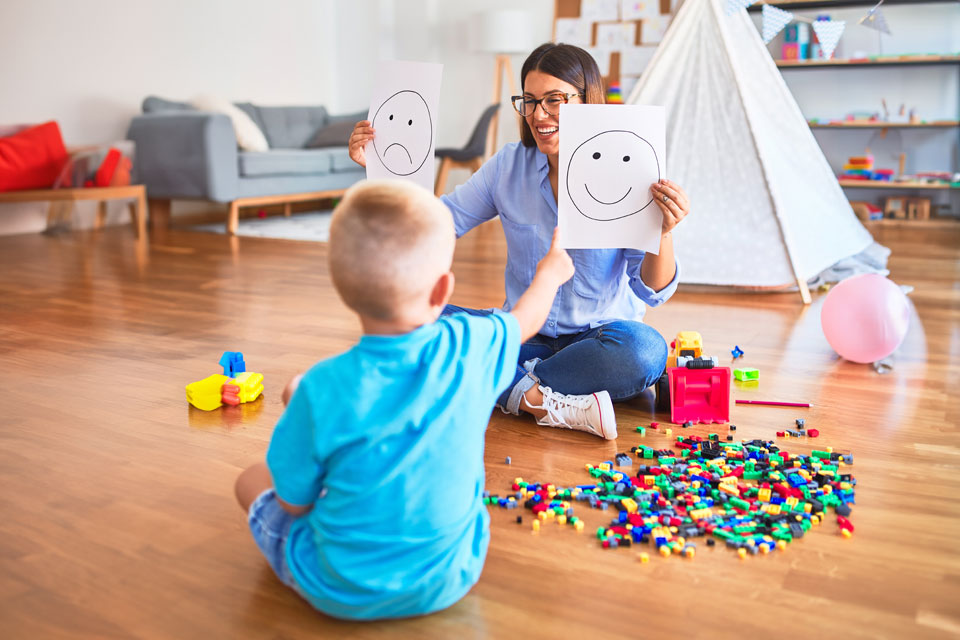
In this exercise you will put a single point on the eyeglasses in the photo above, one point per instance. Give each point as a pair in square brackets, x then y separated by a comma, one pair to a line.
[550, 103]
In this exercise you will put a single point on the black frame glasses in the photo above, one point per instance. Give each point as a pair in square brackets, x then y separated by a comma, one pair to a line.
[527, 106]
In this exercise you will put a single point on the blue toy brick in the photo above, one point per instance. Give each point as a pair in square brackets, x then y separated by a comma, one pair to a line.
[232, 363]
[508, 460]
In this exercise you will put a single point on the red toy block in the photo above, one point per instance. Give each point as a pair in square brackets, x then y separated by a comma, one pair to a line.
[699, 395]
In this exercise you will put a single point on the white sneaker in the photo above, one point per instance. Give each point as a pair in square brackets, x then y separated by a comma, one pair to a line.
[592, 413]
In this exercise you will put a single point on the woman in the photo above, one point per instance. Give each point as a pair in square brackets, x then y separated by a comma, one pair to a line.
[593, 348]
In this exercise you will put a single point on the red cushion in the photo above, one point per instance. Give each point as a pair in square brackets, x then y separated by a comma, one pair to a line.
[32, 158]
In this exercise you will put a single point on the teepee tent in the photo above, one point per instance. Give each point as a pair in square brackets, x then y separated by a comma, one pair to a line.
[767, 210]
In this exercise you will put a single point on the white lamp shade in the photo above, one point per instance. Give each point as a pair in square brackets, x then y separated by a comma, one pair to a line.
[507, 31]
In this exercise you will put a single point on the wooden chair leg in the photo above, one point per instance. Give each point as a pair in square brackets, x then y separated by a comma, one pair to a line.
[442, 174]
[159, 212]
[233, 218]
[101, 218]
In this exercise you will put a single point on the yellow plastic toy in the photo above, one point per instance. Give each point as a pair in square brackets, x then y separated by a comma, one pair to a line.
[687, 343]
[206, 394]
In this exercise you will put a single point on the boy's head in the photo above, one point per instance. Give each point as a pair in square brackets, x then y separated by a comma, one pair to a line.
[391, 242]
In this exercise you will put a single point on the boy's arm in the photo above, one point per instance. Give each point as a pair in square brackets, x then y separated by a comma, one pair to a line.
[533, 306]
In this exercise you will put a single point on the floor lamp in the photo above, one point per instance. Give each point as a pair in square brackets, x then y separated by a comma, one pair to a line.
[503, 33]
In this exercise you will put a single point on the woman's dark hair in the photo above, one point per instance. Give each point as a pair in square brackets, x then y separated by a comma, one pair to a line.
[566, 62]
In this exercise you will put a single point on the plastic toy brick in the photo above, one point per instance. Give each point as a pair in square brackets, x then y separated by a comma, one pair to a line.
[232, 363]
[699, 395]
[736, 352]
[746, 374]
[207, 394]
[251, 385]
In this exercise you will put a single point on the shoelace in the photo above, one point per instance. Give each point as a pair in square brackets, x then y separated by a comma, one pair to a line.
[555, 403]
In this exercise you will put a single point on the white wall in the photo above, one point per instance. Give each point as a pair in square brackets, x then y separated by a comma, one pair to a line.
[88, 65]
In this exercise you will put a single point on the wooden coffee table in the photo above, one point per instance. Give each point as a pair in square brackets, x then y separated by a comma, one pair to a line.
[61, 203]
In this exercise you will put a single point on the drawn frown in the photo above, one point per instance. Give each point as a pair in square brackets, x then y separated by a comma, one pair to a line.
[404, 132]
[608, 175]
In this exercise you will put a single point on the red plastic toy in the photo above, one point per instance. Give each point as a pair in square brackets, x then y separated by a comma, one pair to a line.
[699, 395]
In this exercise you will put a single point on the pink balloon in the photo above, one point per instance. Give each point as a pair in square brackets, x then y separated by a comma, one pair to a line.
[865, 318]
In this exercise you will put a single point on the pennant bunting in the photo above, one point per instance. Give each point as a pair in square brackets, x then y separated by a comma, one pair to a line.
[774, 20]
[828, 33]
[875, 20]
[735, 5]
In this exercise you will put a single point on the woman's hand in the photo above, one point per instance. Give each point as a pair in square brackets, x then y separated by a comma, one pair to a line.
[673, 202]
[362, 134]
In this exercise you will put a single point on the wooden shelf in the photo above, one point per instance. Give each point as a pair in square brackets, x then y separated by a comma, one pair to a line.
[887, 61]
[943, 224]
[834, 4]
[883, 184]
[939, 124]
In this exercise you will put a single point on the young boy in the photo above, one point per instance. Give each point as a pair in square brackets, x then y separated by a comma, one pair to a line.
[370, 501]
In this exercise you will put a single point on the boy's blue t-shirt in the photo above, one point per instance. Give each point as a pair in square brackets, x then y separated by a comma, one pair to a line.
[393, 430]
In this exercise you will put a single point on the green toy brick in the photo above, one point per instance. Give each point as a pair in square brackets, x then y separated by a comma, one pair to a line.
[746, 374]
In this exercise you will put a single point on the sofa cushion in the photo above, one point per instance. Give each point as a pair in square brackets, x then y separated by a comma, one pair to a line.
[341, 162]
[332, 135]
[249, 135]
[284, 162]
[32, 158]
[291, 127]
[153, 104]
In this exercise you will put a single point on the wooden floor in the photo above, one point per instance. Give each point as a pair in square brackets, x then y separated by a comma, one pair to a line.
[117, 518]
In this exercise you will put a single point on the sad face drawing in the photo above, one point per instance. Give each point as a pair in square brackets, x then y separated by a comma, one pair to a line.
[404, 132]
[608, 176]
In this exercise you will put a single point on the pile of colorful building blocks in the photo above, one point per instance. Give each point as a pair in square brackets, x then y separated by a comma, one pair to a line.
[861, 168]
[752, 496]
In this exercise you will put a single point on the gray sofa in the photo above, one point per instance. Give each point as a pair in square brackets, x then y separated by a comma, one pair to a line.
[182, 153]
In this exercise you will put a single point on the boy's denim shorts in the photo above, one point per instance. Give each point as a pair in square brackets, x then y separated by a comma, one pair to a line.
[270, 525]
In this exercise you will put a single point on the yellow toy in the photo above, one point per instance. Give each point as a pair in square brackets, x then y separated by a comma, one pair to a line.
[219, 389]
[207, 394]
[687, 343]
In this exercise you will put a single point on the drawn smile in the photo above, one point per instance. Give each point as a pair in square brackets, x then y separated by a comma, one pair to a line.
[601, 201]
[397, 144]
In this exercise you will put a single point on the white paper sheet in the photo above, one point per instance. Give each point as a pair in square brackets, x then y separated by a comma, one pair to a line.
[602, 57]
[652, 29]
[639, 9]
[609, 157]
[633, 60]
[617, 35]
[575, 31]
[403, 112]
[600, 10]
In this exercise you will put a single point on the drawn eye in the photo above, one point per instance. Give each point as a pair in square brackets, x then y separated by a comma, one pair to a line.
[409, 122]
[391, 116]
[596, 155]
[626, 158]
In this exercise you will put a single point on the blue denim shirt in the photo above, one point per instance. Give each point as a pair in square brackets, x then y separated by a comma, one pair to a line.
[515, 185]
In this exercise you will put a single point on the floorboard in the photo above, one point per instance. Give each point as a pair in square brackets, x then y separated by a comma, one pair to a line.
[118, 519]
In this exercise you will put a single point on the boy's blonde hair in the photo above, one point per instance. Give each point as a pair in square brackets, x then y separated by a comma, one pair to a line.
[390, 241]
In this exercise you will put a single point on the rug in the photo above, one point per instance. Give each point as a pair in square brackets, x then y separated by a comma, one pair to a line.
[310, 226]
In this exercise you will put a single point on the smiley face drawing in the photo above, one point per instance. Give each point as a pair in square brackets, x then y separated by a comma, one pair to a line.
[608, 175]
[404, 132]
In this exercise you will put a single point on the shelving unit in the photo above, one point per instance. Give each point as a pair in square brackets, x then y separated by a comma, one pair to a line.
[880, 61]
[883, 184]
[940, 124]
[935, 127]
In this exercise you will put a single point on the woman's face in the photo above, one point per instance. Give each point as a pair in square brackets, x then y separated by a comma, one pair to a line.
[546, 127]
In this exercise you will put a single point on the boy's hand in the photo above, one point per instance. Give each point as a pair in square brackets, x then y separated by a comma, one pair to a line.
[557, 264]
[362, 134]
[290, 388]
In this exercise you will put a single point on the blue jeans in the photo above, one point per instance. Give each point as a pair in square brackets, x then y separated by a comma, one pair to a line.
[622, 358]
